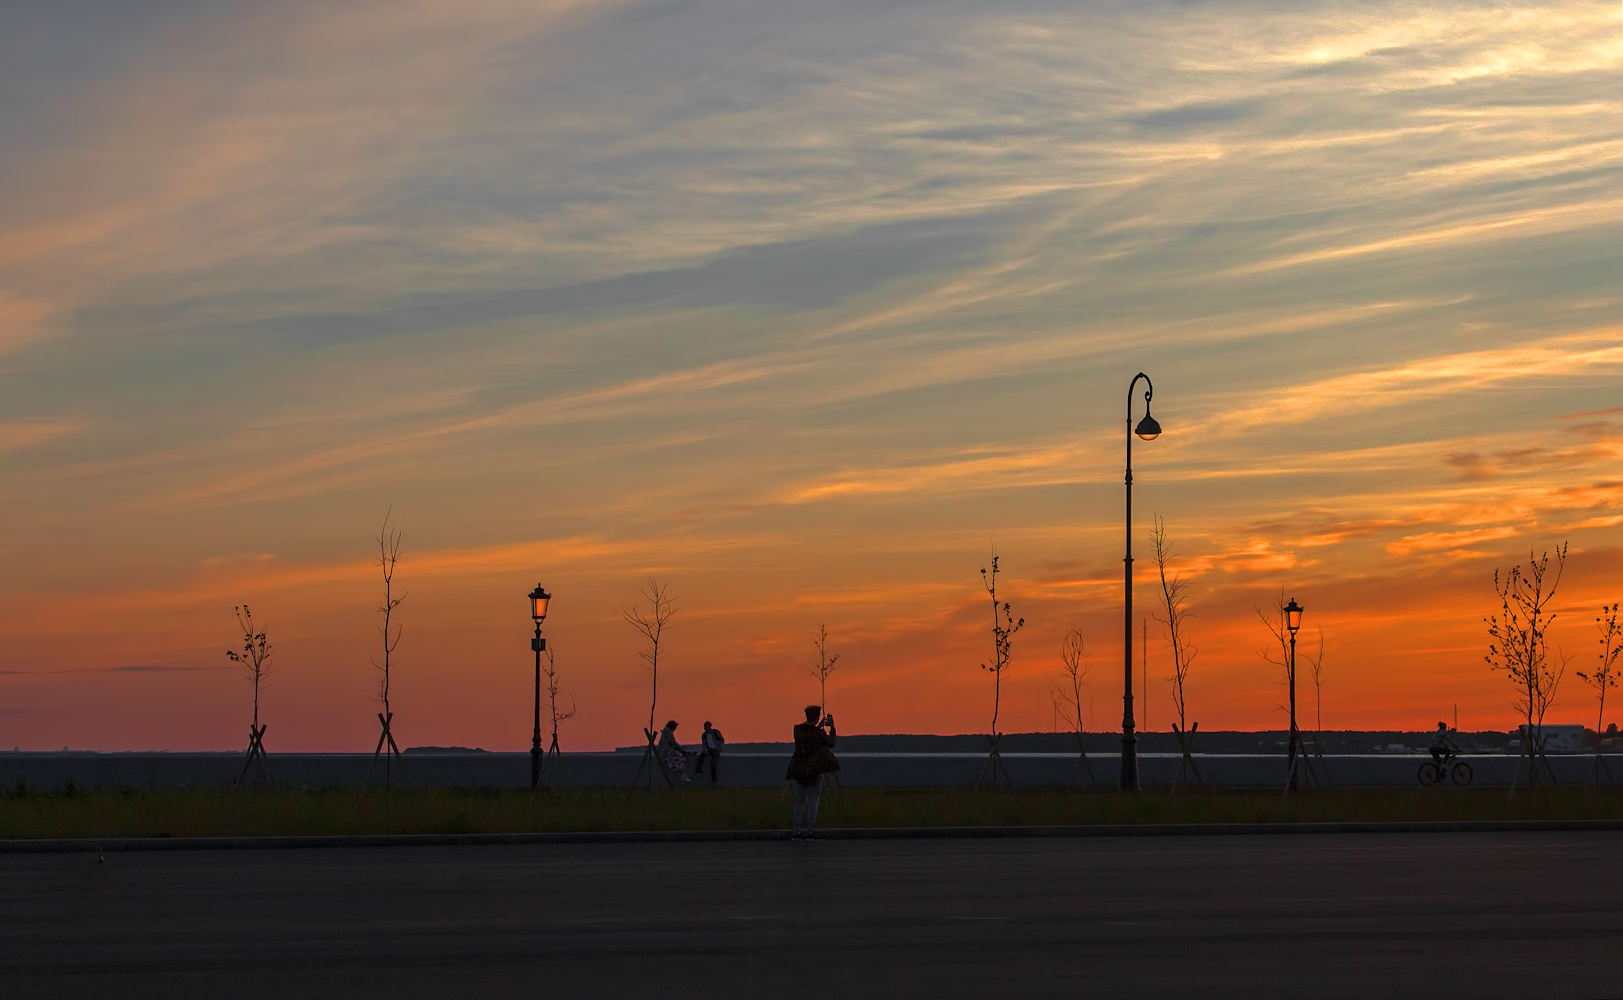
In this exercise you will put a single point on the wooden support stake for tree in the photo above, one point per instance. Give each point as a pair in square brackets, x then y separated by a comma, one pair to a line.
[651, 762]
[1601, 767]
[255, 757]
[1300, 773]
[388, 751]
[993, 766]
[552, 763]
[1318, 754]
[1534, 753]
[1186, 743]
[1082, 762]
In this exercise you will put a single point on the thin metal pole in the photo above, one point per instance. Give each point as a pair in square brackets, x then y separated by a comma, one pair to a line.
[535, 741]
[1129, 741]
[1295, 740]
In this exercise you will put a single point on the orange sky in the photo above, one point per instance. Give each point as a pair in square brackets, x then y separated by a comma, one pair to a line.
[802, 309]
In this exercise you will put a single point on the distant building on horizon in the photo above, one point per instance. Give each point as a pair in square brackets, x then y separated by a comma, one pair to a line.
[1558, 738]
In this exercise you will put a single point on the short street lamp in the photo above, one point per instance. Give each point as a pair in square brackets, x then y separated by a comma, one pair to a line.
[1293, 621]
[1149, 430]
[538, 610]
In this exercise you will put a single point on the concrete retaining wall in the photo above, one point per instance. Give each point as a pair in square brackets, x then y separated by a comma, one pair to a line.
[56, 771]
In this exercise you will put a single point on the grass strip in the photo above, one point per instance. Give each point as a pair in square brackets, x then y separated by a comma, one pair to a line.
[346, 812]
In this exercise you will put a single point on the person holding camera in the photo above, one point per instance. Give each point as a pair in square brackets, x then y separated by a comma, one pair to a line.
[813, 758]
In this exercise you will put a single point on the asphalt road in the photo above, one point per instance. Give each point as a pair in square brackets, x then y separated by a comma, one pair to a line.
[1461, 916]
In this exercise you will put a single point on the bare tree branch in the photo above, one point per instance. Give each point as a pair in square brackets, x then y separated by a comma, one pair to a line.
[388, 555]
[1074, 668]
[550, 671]
[1281, 639]
[651, 625]
[824, 666]
[1175, 607]
[1316, 664]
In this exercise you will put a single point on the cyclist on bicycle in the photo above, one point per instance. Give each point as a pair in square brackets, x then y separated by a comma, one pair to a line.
[1441, 745]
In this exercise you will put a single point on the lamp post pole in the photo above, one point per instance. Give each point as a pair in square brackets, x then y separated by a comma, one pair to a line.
[1293, 621]
[538, 610]
[1147, 429]
[537, 644]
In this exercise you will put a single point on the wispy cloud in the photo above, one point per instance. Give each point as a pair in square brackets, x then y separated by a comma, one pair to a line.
[1536, 222]
[809, 302]
[1433, 540]
[1580, 354]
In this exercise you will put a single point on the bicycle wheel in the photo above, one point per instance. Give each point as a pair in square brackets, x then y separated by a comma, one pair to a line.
[1462, 773]
[1429, 774]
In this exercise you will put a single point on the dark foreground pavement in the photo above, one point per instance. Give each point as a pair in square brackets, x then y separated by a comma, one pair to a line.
[1460, 915]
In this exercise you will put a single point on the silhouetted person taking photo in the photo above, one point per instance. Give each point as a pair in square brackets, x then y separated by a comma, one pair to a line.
[813, 758]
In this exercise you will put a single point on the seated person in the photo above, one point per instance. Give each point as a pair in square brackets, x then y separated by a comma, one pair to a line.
[671, 752]
[710, 744]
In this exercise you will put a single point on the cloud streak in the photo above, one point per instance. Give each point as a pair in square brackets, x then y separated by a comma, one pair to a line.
[808, 303]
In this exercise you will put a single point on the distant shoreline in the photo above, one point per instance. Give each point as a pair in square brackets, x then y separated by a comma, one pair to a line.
[1105, 743]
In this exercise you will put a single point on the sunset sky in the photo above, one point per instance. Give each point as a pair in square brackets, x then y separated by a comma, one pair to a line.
[803, 307]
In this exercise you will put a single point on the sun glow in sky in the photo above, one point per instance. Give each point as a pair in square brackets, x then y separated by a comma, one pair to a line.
[801, 306]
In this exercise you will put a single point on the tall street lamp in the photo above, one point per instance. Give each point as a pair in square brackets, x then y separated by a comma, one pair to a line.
[1293, 621]
[538, 610]
[1149, 430]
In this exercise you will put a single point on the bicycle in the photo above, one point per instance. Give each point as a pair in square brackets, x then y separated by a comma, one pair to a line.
[1431, 773]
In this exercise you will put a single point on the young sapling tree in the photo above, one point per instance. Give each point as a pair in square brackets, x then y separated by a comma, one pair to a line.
[1518, 646]
[550, 672]
[1604, 678]
[651, 624]
[1174, 617]
[1067, 695]
[388, 542]
[1004, 626]
[254, 658]
[1315, 664]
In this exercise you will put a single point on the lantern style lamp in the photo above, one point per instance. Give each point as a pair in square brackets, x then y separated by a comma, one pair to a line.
[538, 604]
[1149, 428]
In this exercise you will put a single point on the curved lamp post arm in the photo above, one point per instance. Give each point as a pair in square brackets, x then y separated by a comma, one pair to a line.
[1149, 394]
